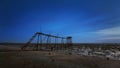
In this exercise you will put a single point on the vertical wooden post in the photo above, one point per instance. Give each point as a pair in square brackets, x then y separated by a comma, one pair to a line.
[37, 45]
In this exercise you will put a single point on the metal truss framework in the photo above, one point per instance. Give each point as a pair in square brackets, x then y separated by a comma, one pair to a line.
[49, 44]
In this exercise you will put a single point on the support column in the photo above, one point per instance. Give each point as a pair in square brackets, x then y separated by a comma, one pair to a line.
[37, 45]
[62, 43]
[69, 41]
[41, 41]
[48, 42]
[56, 42]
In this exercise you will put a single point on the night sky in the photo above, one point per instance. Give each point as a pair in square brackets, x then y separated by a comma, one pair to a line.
[87, 21]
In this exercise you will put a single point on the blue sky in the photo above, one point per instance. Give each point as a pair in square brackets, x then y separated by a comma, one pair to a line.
[87, 21]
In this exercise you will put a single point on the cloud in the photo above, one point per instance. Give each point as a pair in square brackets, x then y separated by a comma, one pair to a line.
[109, 31]
[111, 38]
[109, 34]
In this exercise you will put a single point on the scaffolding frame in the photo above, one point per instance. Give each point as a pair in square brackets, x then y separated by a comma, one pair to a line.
[65, 42]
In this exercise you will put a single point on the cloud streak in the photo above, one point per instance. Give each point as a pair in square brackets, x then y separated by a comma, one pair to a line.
[109, 34]
[109, 31]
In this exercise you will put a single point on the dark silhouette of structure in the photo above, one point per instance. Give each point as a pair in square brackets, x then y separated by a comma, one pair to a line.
[51, 42]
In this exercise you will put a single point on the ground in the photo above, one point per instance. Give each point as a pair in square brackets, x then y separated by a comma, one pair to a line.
[46, 59]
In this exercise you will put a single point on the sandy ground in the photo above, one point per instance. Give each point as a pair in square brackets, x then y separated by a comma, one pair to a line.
[46, 59]
[9, 47]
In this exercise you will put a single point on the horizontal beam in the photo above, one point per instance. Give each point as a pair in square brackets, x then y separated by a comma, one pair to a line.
[49, 35]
